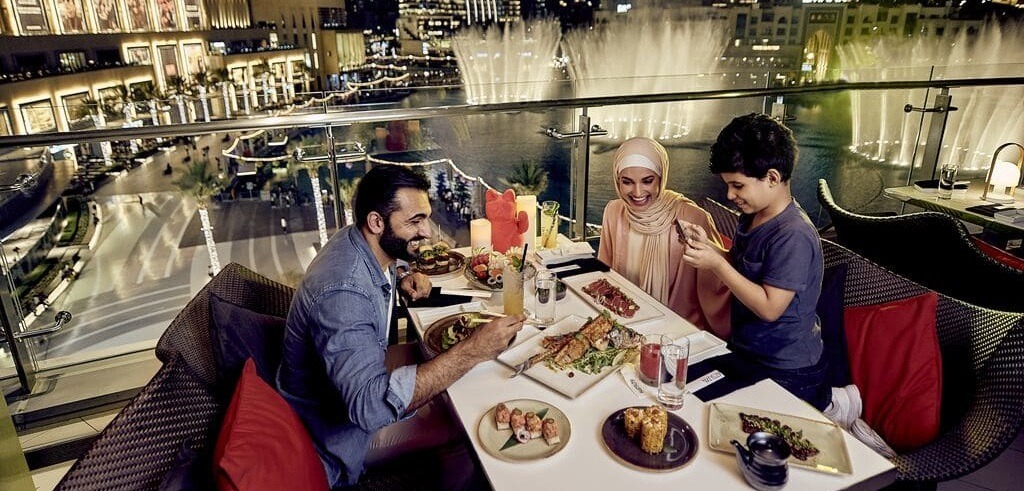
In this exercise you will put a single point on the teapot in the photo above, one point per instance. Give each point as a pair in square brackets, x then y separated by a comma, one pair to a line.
[763, 461]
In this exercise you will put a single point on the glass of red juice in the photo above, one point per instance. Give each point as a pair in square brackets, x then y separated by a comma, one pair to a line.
[650, 358]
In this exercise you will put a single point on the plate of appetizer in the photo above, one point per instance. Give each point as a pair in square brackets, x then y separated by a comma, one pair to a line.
[815, 445]
[438, 261]
[605, 293]
[449, 330]
[523, 429]
[575, 353]
[650, 438]
[484, 271]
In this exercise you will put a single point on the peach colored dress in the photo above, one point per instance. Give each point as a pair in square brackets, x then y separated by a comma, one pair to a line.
[699, 296]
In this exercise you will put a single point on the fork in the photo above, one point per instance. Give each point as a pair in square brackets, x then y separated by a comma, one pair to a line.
[522, 366]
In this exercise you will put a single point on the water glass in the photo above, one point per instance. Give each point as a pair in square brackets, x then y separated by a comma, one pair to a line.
[549, 224]
[546, 297]
[650, 358]
[947, 179]
[512, 290]
[672, 382]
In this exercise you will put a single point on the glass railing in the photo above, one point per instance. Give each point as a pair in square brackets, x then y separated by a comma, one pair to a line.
[109, 236]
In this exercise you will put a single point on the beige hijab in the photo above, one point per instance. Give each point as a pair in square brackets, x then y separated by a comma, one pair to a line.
[649, 268]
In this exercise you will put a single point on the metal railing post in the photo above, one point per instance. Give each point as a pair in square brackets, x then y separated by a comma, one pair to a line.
[580, 176]
[332, 157]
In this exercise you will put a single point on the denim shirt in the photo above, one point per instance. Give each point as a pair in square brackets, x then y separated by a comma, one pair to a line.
[332, 369]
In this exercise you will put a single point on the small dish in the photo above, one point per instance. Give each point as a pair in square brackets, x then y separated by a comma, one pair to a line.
[456, 263]
[496, 442]
[433, 337]
[725, 425]
[681, 444]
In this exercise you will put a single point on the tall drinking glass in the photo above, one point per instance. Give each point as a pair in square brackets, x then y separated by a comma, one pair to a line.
[947, 180]
[549, 224]
[546, 296]
[650, 358]
[512, 290]
[672, 382]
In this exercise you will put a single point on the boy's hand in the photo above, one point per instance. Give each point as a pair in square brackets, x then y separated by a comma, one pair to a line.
[689, 233]
[698, 251]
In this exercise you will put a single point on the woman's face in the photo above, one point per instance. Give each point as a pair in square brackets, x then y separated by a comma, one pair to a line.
[639, 186]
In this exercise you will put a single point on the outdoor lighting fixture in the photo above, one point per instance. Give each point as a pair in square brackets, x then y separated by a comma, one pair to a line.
[1003, 176]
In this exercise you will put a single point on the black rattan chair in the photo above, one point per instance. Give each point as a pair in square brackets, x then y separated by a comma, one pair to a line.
[726, 219]
[182, 404]
[982, 408]
[933, 249]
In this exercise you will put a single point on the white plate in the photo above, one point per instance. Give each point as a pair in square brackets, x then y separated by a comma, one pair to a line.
[560, 381]
[724, 426]
[492, 439]
[647, 310]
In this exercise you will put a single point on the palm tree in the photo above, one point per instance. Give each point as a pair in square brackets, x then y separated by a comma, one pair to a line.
[312, 167]
[202, 185]
[347, 191]
[222, 77]
[527, 178]
[178, 86]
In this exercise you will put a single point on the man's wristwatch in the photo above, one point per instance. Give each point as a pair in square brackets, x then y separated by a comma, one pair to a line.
[403, 274]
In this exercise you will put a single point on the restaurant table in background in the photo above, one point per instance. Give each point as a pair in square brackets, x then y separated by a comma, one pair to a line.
[967, 206]
[585, 462]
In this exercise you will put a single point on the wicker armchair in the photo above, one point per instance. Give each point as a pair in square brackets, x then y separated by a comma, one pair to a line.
[933, 249]
[726, 219]
[182, 405]
[983, 374]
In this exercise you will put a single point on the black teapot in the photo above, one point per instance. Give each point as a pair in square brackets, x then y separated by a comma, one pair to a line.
[763, 461]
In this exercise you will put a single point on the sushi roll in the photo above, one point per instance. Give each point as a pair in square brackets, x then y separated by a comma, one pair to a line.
[549, 429]
[533, 425]
[517, 420]
[652, 435]
[502, 416]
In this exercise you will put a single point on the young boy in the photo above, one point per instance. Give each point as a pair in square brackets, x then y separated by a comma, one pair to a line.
[775, 266]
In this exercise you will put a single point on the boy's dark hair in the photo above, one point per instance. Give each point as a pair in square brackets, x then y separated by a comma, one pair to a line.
[753, 144]
[376, 190]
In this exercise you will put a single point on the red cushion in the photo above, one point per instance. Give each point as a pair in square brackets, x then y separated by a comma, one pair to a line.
[263, 444]
[896, 364]
[999, 254]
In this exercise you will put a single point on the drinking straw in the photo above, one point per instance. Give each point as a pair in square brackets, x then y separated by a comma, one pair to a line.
[522, 264]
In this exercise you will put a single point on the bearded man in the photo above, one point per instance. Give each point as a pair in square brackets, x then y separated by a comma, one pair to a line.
[356, 396]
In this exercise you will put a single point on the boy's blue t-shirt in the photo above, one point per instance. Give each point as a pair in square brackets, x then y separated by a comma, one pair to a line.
[784, 252]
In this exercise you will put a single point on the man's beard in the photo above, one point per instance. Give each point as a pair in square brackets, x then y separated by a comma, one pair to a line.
[395, 246]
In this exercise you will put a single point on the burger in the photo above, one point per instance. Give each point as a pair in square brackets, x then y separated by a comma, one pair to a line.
[426, 259]
[441, 254]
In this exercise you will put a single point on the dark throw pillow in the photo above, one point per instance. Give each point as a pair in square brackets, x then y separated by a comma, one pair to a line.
[240, 334]
[190, 472]
[830, 312]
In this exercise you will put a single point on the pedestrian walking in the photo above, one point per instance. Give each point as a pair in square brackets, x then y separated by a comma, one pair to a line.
[284, 225]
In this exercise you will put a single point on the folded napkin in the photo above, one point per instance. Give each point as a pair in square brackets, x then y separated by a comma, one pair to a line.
[738, 373]
[585, 265]
[438, 299]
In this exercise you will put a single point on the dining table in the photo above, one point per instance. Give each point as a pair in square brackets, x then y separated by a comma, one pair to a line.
[586, 461]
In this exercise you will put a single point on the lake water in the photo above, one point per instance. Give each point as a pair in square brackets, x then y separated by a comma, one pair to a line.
[490, 145]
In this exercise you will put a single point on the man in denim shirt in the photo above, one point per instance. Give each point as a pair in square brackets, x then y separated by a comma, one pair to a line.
[333, 370]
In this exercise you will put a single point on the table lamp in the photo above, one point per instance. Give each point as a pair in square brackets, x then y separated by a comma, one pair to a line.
[1003, 176]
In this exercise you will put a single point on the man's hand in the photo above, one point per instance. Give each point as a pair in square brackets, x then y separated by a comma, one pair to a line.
[490, 339]
[416, 285]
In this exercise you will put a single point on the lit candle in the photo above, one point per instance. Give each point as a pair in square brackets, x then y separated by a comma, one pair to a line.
[480, 233]
[528, 203]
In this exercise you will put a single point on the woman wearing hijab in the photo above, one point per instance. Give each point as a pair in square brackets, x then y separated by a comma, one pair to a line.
[639, 238]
